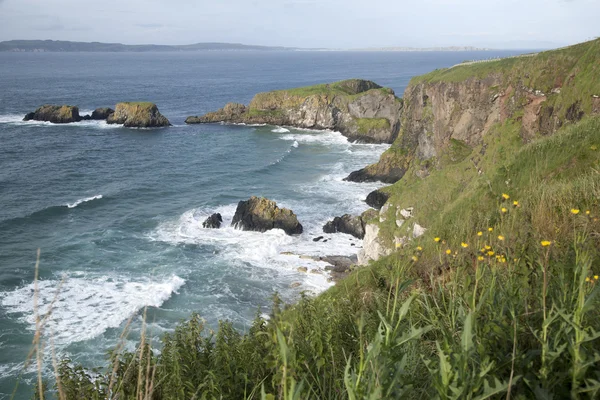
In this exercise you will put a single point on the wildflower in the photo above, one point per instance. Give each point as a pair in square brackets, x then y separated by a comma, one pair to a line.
[587, 212]
[503, 260]
[448, 251]
[505, 196]
[587, 279]
[500, 237]
[415, 258]
[545, 243]
[398, 245]
[487, 247]
[503, 209]
[490, 229]
[437, 239]
[491, 253]
[516, 203]
[574, 211]
[480, 258]
[464, 245]
[595, 277]
[419, 248]
[479, 233]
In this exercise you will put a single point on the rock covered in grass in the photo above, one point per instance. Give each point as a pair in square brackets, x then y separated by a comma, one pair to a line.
[213, 222]
[352, 225]
[261, 214]
[56, 114]
[138, 115]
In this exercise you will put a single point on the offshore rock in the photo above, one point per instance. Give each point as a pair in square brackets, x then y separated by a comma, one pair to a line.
[55, 114]
[361, 110]
[260, 214]
[138, 115]
[346, 224]
[102, 113]
[213, 222]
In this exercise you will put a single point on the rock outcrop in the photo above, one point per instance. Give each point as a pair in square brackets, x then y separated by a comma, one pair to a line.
[361, 110]
[138, 115]
[351, 225]
[102, 113]
[260, 214]
[213, 222]
[55, 114]
[377, 199]
[373, 248]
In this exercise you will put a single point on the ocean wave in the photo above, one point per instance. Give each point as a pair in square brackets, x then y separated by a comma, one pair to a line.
[84, 200]
[17, 119]
[280, 129]
[86, 307]
[320, 137]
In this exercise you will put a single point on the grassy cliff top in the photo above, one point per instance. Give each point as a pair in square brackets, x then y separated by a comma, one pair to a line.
[347, 87]
[534, 70]
[142, 104]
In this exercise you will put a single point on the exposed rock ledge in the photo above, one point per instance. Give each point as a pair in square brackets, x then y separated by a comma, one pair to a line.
[138, 115]
[361, 110]
[260, 214]
[55, 114]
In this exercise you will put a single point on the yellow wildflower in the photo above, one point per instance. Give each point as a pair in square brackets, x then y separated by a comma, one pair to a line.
[587, 212]
[487, 247]
[419, 248]
[574, 211]
[437, 239]
[505, 196]
[448, 251]
[464, 245]
[587, 279]
[415, 259]
[490, 229]
[479, 233]
[398, 244]
[500, 237]
[491, 253]
[480, 258]
[503, 209]
[516, 203]
[596, 277]
[545, 243]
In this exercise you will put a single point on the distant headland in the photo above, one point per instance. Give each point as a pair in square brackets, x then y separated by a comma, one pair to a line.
[67, 46]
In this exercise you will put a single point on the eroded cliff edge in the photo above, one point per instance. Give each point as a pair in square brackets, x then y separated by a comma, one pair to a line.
[361, 110]
[459, 125]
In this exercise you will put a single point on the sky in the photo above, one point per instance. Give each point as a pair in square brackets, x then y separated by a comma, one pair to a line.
[307, 23]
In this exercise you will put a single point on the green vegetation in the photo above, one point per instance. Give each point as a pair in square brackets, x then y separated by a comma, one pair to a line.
[366, 125]
[141, 104]
[511, 312]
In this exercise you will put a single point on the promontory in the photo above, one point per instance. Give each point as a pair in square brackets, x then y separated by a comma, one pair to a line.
[361, 110]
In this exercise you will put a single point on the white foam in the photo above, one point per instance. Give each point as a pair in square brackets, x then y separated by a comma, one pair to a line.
[295, 144]
[17, 119]
[87, 307]
[312, 136]
[84, 200]
[280, 129]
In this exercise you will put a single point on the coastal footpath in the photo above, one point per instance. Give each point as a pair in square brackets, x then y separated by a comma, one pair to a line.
[361, 110]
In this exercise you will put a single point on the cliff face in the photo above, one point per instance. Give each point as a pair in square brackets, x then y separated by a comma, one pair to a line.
[361, 110]
[461, 124]
[450, 111]
[138, 115]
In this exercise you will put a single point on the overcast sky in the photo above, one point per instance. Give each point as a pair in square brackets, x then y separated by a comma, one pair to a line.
[307, 23]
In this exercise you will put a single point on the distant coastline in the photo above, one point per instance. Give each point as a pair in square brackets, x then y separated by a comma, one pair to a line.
[60, 46]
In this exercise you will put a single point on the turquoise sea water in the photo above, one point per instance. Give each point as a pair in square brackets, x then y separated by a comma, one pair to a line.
[117, 212]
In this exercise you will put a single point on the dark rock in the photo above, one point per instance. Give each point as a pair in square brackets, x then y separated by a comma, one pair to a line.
[138, 115]
[102, 113]
[55, 114]
[377, 199]
[213, 222]
[318, 239]
[232, 112]
[86, 118]
[346, 224]
[260, 214]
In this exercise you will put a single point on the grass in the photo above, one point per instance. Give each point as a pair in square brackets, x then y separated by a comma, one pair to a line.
[366, 125]
[511, 312]
[141, 104]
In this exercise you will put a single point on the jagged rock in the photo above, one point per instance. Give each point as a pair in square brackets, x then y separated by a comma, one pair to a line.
[213, 222]
[260, 214]
[361, 110]
[138, 115]
[352, 225]
[377, 199]
[86, 118]
[102, 113]
[418, 231]
[406, 212]
[55, 114]
[389, 169]
[372, 247]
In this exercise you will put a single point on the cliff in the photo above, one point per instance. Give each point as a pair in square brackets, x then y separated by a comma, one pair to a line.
[361, 110]
[138, 115]
[461, 125]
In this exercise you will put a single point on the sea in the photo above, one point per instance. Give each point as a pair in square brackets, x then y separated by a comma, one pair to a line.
[117, 213]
